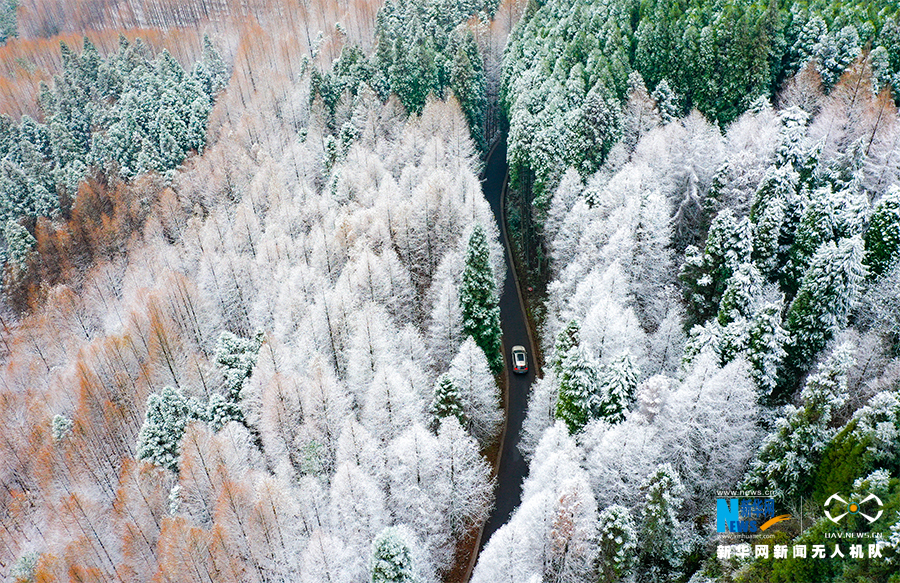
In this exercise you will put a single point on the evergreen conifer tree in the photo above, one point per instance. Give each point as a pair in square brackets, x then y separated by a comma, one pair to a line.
[19, 244]
[579, 390]
[666, 101]
[168, 414]
[567, 339]
[617, 539]
[617, 393]
[660, 546]
[237, 357]
[706, 273]
[61, 427]
[8, 26]
[765, 351]
[479, 302]
[447, 401]
[827, 293]
[392, 558]
[883, 235]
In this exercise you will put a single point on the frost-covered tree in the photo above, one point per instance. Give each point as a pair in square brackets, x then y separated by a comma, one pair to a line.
[829, 289]
[478, 392]
[809, 34]
[357, 504]
[445, 320]
[690, 426]
[564, 197]
[465, 476]
[392, 559]
[220, 410]
[660, 546]
[789, 454]
[579, 389]
[541, 413]
[168, 414]
[214, 72]
[326, 559]
[418, 491]
[326, 406]
[617, 540]
[369, 348]
[641, 114]
[447, 401]
[573, 533]
[479, 302]
[882, 238]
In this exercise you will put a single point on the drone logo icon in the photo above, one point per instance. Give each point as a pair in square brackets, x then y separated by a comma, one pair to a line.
[853, 508]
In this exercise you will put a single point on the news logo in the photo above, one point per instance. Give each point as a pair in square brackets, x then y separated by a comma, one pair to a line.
[836, 503]
[746, 515]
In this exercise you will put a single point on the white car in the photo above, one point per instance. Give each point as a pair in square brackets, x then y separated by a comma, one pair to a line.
[519, 359]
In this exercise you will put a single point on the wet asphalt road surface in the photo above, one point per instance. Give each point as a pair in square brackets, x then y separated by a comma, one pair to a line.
[513, 468]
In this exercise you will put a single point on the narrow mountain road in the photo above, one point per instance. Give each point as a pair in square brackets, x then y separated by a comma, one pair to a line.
[512, 468]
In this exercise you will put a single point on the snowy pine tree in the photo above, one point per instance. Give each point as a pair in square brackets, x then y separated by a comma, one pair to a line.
[168, 414]
[765, 350]
[616, 541]
[579, 389]
[391, 560]
[447, 401]
[619, 381]
[61, 427]
[829, 289]
[706, 274]
[660, 546]
[666, 101]
[237, 357]
[568, 338]
[479, 302]
[882, 238]
[19, 245]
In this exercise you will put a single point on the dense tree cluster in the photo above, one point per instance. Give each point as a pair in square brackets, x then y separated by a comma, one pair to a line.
[244, 392]
[279, 360]
[422, 48]
[8, 19]
[569, 97]
[125, 115]
[712, 281]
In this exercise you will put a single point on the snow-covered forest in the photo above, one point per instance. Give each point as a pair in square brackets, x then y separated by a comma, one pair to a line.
[257, 345]
[249, 327]
[721, 300]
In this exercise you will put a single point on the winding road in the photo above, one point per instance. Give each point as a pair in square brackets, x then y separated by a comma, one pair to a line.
[512, 468]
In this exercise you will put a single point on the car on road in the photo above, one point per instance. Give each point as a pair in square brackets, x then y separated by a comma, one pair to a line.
[519, 360]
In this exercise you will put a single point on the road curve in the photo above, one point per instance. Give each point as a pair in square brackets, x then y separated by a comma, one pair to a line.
[512, 468]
